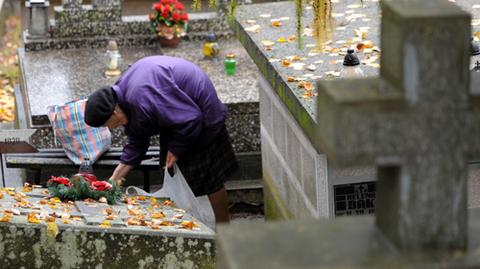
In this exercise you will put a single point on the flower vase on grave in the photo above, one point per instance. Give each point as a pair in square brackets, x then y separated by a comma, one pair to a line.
[169, 21]
[167, 36]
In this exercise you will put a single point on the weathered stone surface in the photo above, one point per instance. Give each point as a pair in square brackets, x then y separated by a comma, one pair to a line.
[97, 23]
[106, 3]
[350, 16]
[82, 243]
[419, 141]
[352, 242]
[86, 14]
[269, 62]
[72, 4]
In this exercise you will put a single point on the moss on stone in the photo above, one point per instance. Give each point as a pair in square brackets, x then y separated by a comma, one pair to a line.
[275, 208]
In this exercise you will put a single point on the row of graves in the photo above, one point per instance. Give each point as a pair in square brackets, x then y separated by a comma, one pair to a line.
[396, 143]
[297, 133]
[411, 126]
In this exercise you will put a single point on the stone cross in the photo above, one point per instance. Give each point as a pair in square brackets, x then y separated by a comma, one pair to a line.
[417, 121]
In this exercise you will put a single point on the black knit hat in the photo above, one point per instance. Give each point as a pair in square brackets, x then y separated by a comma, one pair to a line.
[100, 106]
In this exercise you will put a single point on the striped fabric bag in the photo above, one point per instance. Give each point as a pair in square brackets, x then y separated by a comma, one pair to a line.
[82, 144]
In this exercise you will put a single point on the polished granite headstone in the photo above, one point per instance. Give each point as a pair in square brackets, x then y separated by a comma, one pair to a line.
[84, 240]
[57, 76]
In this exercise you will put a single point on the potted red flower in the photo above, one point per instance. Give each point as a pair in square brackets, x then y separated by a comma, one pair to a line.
[169, 21]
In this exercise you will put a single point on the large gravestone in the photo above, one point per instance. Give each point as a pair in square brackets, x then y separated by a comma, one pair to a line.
[420, 124]
[85, 240]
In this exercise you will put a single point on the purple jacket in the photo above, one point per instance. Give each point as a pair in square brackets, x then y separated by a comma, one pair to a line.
[171, 97]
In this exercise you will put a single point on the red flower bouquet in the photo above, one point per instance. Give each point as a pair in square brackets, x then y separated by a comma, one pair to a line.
[84, 186]
[90, 178]
[59, 181]
[101, 185]
[168, 19]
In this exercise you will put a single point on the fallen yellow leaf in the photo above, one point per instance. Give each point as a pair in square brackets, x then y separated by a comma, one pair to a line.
[286, 63]
[158, 215]
[6, 217]
[32, 218]
[105, 224]
[276, 23]
[305, 85]
[281, 40]
[52, 229]
[188, 225]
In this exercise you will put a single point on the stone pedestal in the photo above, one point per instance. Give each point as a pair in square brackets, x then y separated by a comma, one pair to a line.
[38, 25]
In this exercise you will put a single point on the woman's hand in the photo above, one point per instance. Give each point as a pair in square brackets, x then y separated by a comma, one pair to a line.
[171, 159]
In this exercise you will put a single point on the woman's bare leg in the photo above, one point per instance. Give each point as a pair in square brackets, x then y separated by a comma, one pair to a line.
[219, 202]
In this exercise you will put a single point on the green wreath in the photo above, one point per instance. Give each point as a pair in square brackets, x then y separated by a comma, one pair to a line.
[83, 186]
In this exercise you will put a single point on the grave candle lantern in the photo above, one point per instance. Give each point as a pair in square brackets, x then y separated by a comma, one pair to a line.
[474, 63]
[113, 59]
[230, 64]
[211, 48]
[351, 66]
[474, 52]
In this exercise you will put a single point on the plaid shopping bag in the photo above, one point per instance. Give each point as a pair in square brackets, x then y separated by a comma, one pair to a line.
[82, 143]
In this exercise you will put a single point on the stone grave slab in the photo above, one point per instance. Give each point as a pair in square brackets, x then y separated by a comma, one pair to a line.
[350, 242]
[64, 75]
[88, 238]
[299, 179]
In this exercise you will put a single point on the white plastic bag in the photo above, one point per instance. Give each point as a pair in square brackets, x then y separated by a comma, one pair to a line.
[176, 188]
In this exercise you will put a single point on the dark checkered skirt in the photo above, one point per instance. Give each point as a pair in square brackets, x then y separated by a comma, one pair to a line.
[207, 169]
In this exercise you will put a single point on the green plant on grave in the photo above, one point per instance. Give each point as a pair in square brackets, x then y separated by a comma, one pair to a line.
[232, 6]
[322, 21]
[197, 4]
[84, 186]
[299, 14]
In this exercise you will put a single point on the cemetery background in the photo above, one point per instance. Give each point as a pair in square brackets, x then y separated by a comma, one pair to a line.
[300, 182]
[240, 99]
[292, 197]
[46, 64]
